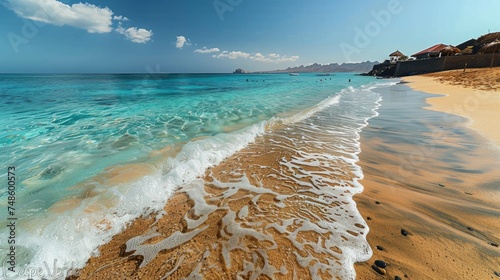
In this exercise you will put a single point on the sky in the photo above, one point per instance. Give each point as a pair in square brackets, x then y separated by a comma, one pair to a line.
[199, 36]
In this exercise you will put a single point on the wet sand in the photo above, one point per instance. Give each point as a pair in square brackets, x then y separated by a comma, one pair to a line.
[427, 173]
[281, 208]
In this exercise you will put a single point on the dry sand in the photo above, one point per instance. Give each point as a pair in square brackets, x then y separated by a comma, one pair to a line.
[443, 187]
[474, 94]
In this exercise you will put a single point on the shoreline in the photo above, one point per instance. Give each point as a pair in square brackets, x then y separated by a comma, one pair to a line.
[439, 183]
[474, 94]
[280, 208]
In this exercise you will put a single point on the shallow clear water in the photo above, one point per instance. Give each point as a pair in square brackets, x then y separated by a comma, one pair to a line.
[61, 132]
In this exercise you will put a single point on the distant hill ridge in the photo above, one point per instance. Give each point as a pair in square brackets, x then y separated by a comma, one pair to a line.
[329, 68]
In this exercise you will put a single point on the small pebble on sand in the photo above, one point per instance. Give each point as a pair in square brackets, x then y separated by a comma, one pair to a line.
[493, 244]
[380, 248]
[404, 232]
[379, 270]
[380, 263]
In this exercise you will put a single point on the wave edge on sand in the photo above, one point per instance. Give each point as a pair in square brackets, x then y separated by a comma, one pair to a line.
[275, 160]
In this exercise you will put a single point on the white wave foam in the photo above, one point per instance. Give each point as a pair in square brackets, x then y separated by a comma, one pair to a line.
[73, 236]
[332, 100]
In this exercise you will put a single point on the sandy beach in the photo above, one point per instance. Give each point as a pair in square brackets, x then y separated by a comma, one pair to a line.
[250, 140]
[474, 94]
[439, 183]
[281, 208]
[430, 201]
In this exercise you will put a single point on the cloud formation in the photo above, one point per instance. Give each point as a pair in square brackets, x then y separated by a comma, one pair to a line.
[232, 55]
[136, 35]
[120, 18]
[181, 42]
[81, 15]
[85, 16]
[272, 58]
[205, 50]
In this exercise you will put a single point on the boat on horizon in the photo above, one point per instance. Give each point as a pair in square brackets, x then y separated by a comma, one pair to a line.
[293, 74]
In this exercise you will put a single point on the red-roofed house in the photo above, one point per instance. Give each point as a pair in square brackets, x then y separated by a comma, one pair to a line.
[430, 52]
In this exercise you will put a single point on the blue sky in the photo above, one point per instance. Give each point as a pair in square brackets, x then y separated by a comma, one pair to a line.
[96, 36]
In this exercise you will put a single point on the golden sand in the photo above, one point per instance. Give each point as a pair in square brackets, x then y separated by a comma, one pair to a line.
[474, 94]
[447, 204]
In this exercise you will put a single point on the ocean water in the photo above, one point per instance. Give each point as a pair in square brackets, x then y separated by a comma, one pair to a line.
[93, 152]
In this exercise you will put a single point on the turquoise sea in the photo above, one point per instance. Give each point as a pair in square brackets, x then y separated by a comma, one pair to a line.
[89, 148]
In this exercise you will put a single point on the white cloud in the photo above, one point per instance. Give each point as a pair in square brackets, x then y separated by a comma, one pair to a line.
[287, 59]
[136, 35]
[232, 55]
[260, 57]
[276, 58]
[205, 50]
[272, 57]
[181, 42]
[120, 18]
[85, 16]
[81, 15]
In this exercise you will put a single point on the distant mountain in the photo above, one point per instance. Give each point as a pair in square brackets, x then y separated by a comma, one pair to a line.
[332, 67]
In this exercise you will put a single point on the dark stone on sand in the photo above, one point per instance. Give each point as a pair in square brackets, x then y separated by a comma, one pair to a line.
[497, 273]
[397, 278]
[368, 218]
[379, 270]
[470, 228]
[441, 185]
[468, 193]
[380, 264]
[493, 244]
[377, 202]
[380, 248]
[404, 232]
